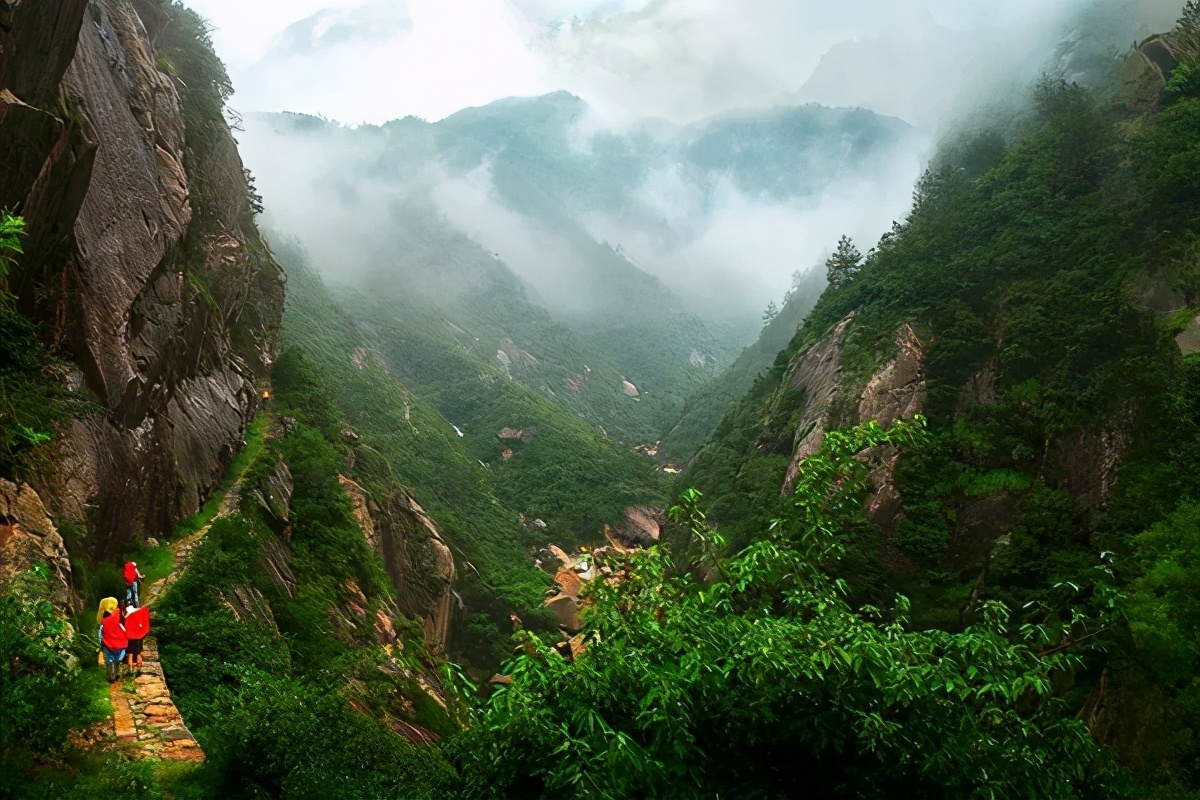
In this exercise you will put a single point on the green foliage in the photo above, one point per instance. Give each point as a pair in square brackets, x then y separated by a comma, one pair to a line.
[43, 692]
[843, 264]
[1164, 601]
[32, 404]
[1064, 422]
[268, 691]
[11, 230]
[285, 739]
[398, 403]
[701, 688]
[1187, 31]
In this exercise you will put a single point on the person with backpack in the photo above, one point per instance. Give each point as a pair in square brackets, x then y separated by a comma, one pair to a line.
[137, 625]
[111, 634]
[133, 578]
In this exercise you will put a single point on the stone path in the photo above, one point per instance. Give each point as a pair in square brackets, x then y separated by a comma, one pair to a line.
[144, 716]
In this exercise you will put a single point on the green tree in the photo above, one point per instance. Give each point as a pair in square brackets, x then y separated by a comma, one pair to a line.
[1187, 32]
[754, 676]
[42, 696]
[844, 264]
[771, 312]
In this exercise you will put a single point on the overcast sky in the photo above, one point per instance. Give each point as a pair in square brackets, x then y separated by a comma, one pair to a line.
[374, 60]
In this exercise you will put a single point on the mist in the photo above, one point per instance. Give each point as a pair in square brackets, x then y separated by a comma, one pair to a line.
[647, 74]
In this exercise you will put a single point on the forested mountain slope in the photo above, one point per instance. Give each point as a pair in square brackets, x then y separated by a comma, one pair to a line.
[484, 454]
[517, 222]
[1035, 306]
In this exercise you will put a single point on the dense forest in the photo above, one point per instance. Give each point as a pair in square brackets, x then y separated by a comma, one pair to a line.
[946, 544]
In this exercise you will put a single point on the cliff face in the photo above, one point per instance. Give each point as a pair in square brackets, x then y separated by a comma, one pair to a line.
[418, 562]
[142, 261]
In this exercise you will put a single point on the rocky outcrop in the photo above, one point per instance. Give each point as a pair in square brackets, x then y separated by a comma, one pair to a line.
[642, 526]
[246, 602]
[897, 390]
[273, 494]
[566, 609]
[884, 503]
[564, 601]
[361, 504]
[28, 538]
[418, 561]
[1085, 465]
[1189, 339]
[817, 374]
[169, 310]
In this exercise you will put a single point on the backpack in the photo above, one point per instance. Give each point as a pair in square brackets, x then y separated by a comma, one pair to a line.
[131, 573]
[137, 623]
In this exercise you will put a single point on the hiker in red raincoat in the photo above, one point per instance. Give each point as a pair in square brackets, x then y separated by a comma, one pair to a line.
[137, 625]
[112, 637]
[133, 577]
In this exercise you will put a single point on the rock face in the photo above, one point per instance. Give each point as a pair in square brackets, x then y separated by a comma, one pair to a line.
[895, 391]
[418, 561]
[642, 526]
[165, 298]
[274, 495]
[817, 373]
[28, 538]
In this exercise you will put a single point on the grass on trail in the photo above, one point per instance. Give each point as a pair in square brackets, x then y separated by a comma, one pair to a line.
[157, 561]
[255, 436]
[91, 678]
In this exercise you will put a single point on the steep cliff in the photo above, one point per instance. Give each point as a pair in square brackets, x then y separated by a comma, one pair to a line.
[142, 260]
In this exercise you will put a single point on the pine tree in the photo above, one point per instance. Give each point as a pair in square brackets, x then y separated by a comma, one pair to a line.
[844, 264]
[771, 313]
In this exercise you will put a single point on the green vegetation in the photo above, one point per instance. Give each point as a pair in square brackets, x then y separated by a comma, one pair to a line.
[33, 401]
[12, 228]
[250, 453]
[1063, 417]
[44, 693]
[764, 681]
[565, 474]
[285, 685]
[1049, 539]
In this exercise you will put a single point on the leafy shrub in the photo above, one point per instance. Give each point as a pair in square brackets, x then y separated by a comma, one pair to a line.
[693, 688]
[43, 692]
[282, 738]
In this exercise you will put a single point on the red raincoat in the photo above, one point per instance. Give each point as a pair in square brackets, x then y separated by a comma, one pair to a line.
[114, 636]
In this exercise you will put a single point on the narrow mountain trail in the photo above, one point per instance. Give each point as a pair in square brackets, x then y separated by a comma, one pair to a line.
[144, 715]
